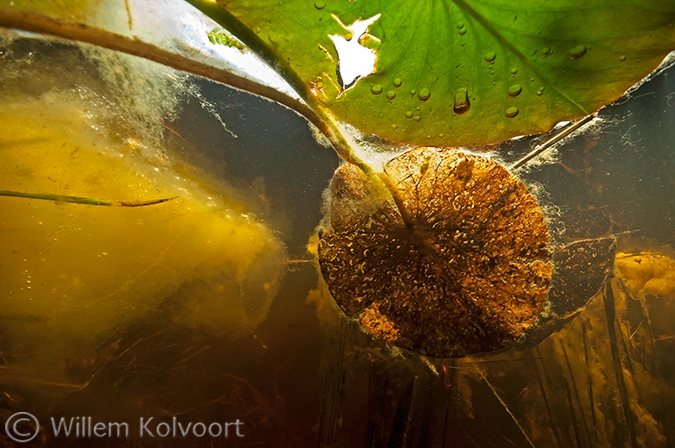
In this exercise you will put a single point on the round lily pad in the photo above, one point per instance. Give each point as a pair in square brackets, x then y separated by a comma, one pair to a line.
[454, 261]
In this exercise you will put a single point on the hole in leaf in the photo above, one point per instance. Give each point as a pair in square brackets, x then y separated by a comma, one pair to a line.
[354, 60]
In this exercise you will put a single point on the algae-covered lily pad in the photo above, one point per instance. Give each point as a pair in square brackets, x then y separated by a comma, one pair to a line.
[458, 260]
[464, 268]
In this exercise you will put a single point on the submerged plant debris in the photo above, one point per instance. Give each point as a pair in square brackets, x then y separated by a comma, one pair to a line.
[457, 263]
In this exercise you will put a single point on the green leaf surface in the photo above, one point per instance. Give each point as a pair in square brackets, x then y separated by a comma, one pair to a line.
[465, 72]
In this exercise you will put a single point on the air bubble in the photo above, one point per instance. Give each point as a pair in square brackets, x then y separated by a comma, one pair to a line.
[319, 4]
[391, 95]
[408, 114]
[424, 94]
[512, 112]
[577, 52]
[460, 104]
[515, 90]
[490, 56]
[376, 89]
[397, 82]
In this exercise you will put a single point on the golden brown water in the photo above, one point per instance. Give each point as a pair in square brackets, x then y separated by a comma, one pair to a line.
[85, 270]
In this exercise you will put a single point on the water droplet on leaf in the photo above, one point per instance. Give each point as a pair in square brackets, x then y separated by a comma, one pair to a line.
[424, 94]
[622, 57]
[408, 114]
[460, 25]
[546, 51]
[514, 71]
[515, 90]
[397, 82]
[577, 52]
[490, 56]
[417, 118]
[391, 95]
[540, 91]
[376, 89]
[462, 32]
[512, 112]
[319, 4]
[460, 103]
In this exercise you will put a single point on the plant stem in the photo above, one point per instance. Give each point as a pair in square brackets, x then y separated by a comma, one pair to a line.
[40, 23]
[610, 313]
[542, 389]
[575, 390]
[310, 109]
[506, 408]
[328, 124]
[82, 200]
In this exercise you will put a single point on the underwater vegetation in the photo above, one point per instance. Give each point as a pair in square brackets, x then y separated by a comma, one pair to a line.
[518, 295]
[465, 269]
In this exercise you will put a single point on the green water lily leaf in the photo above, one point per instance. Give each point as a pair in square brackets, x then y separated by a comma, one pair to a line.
[464, 72]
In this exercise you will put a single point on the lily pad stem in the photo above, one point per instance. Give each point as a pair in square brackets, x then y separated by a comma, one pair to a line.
[309, 108]
[319, 116]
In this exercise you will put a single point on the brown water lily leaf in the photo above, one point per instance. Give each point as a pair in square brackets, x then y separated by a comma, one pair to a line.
[581, 270]
[464, 268]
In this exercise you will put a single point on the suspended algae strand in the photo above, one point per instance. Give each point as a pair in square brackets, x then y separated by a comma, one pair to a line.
[458, 263]
[83, 200]
[218, 36]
